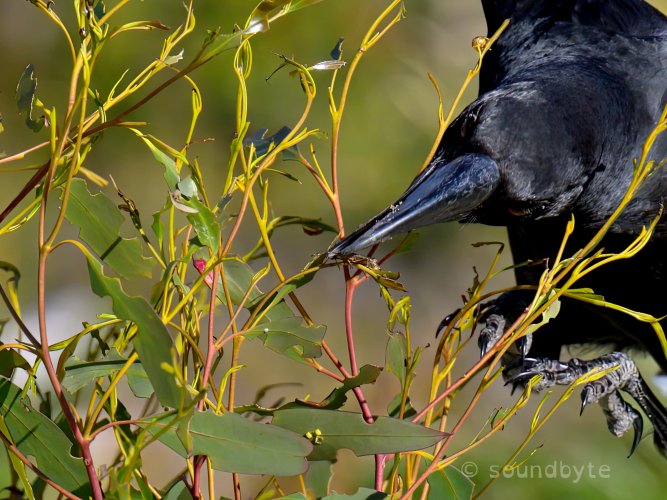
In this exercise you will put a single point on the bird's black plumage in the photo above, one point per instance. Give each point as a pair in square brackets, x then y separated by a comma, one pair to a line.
[568, 96]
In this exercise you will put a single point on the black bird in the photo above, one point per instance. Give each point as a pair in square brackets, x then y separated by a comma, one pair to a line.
[568, 96]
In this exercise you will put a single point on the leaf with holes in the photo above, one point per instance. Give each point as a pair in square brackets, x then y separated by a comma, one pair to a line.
[25, 97]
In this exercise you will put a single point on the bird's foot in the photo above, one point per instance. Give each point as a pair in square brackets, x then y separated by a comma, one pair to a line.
[494, 328]
[497, 316]
[621, 375]
[620, 417]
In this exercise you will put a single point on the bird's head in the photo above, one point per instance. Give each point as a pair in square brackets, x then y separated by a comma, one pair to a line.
[501, 160]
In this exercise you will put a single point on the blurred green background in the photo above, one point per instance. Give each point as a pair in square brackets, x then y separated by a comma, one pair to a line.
[388, 129]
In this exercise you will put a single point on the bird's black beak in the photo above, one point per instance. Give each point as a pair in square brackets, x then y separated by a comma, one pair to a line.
[443, 192]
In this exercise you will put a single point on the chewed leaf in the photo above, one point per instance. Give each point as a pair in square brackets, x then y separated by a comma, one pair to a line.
[337, 52]
[282, 334]
[264, 144]
[368, 374]
[331, 431]
[99, 222]
[25, 97]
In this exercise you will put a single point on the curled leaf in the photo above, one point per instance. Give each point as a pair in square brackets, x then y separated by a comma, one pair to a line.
[327, 65]
[179, 204]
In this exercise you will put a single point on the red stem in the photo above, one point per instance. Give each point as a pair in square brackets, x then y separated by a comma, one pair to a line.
[350, 288]
[237, 486]
[45, 355]
[199, 460]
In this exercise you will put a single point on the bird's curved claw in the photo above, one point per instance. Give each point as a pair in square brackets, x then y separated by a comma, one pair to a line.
[522, 377]
[638, 425]
[446, 321]
[586, 395]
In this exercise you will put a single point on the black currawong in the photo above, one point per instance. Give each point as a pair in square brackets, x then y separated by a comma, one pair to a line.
[568, 95]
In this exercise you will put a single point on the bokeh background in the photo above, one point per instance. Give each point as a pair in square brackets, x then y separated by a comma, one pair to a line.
[388, 129]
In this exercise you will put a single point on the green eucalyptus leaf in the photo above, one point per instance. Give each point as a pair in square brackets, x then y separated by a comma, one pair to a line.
[277, 327]
[237, 444]
[99, 222]
[204, 224]
[179, 491]
[17, 465]
[450, 483]
[25, 97]
[394, 407]
[368, 374]
[310, 226]
[263, 144]
[447, 484]
[80, 373]
[217, 43]
[152, 342]
[37, 436]
[282, 334]
[396, 356]
[171, 174]
[10, 360]
[333, 430]
[239, 277]
[318, 478]
[139, 383]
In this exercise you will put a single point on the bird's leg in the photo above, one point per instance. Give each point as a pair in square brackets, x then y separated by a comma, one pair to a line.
[622, 376]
